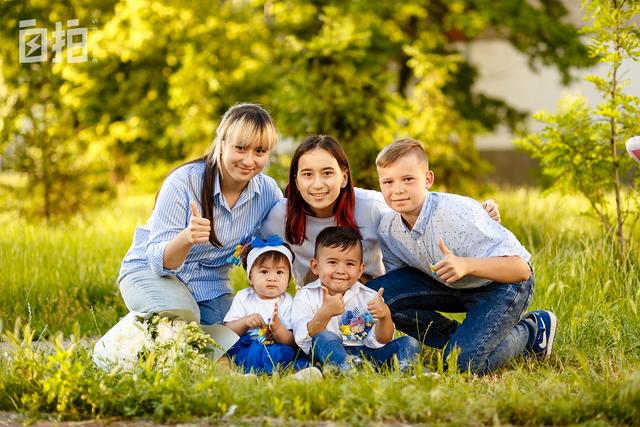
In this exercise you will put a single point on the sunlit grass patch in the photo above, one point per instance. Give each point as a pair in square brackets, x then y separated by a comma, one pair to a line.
[54, 277]
[66, 383]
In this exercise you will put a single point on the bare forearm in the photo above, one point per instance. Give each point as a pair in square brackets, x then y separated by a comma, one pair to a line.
[318, 323]
[502, 269]
[237, 326]
[176, 251]
[384, 330]
[284, 336]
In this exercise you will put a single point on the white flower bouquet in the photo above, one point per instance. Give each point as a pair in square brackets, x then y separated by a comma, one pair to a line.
[149, 335]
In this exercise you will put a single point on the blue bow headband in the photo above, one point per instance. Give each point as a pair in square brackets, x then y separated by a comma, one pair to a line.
[273, 240]
[273, 243]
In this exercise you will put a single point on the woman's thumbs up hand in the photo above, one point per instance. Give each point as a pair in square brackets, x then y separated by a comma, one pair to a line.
[199, 228]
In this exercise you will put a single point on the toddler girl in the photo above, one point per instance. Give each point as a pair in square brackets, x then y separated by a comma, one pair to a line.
[261, 314]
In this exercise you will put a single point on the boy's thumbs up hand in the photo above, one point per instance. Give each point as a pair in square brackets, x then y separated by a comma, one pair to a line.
[445, 250]
[199, 228]
[333, 305]
[378, 309]
[451, 268]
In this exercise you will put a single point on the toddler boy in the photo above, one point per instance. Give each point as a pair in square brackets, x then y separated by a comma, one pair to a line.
[336, 319]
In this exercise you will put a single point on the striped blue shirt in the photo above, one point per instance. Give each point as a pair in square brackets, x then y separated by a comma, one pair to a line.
[205, 270]
[461, 223]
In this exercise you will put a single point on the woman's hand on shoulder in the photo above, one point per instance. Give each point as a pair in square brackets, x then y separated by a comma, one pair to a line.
[491, 207]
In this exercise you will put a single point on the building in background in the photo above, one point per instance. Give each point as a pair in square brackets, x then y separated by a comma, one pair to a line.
[503, 73]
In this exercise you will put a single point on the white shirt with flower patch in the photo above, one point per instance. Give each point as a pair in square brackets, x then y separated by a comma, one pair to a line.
[307, 302]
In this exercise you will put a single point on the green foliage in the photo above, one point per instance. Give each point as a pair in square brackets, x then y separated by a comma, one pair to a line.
[40, 133]
[570, 151]
[53, 276]
[582, 148]
[368, 73]
[65, 384]
[593, 375]
[47, 381]
[162, 72]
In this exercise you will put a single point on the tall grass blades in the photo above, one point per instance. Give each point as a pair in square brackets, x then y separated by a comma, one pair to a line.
[56, 277]
[52, 276]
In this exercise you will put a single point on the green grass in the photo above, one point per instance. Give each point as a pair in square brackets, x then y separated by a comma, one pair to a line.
[52, 276]
[55, 277]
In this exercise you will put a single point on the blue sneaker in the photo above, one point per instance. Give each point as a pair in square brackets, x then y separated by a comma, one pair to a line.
[547, 323]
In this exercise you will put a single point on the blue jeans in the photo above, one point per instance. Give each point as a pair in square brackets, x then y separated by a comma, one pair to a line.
[492, 333]
[213, 310]
[327, 348]
[144, 291]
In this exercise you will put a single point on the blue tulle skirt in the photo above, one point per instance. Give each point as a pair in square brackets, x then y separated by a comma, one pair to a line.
[259, 358]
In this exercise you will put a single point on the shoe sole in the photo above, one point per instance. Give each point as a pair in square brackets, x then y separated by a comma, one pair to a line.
[552, 334]
[307, 374]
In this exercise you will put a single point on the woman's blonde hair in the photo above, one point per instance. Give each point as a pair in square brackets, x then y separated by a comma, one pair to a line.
[243, 124]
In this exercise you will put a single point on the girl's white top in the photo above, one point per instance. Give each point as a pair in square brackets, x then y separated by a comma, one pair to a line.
[247, 302]
[369, 210]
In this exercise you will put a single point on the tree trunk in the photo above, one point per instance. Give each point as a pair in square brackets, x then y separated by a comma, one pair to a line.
[612, 142]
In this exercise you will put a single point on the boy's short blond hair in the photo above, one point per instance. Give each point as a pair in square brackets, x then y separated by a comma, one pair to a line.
[399, 149]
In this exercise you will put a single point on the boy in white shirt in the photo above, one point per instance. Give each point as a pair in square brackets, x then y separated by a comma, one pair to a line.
[336, 319]
[443, 254]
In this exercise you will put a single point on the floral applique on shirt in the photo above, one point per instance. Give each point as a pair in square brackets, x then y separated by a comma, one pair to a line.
[356, 324]
[262, 335]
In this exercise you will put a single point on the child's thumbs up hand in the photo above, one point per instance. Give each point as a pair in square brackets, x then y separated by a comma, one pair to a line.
[378, 309]
[445, 250]
[451, 268]
[333, 305]
[199, 228]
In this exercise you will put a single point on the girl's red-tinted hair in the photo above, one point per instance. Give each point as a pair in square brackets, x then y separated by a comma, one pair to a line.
[297, 208]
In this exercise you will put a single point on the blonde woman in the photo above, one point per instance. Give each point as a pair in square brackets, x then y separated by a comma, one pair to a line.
[178, 259]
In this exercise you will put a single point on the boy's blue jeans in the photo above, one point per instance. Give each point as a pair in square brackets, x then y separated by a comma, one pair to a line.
[328, 349]
[492, 333]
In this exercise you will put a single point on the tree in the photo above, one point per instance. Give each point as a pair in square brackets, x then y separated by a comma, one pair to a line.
[368, 72]
[40, 131]
[163, 72]
[582, 148]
